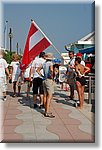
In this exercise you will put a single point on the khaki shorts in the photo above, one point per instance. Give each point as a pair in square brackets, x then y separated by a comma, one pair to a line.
[3, 84]
[48, 86]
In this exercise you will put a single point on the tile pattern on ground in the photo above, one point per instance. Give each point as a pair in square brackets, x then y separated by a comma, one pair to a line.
[22, 123]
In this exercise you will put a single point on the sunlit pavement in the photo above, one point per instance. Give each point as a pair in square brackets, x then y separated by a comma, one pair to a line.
[20, 122]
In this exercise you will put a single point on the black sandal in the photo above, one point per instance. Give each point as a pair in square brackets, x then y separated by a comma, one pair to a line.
[49, 115]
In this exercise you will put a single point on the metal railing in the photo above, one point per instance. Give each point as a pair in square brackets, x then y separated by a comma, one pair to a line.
[90, 86]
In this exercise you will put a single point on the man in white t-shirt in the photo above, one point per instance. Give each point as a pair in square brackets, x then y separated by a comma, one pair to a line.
[3, 68]
[37, 79]
[71, 74]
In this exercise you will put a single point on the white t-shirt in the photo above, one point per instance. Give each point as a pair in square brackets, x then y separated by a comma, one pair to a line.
[3, 66]
[16, 67]
[38, 63]
[26, 72]
[72, 62]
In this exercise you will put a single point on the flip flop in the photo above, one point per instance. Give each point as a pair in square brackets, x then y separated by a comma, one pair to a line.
[49, 115]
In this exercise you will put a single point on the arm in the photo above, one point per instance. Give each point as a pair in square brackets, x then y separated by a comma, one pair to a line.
[87, 69]
[11, 69]
[38, 71]
[76, 69]
[51, 71]
[31, 72]
[19, 77]
[7, 71]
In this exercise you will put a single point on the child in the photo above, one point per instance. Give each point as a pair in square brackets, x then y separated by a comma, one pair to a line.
[15, 72]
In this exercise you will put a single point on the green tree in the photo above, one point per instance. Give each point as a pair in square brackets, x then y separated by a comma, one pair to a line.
[8, 56]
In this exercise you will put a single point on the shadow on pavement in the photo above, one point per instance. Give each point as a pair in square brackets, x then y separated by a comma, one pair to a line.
[28, 102]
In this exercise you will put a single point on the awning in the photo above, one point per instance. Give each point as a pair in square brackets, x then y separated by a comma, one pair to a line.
[87, 50]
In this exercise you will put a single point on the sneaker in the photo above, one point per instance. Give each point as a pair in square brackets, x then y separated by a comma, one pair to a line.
[35, 105]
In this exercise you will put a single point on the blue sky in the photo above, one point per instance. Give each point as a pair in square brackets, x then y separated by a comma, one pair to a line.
[63, 23]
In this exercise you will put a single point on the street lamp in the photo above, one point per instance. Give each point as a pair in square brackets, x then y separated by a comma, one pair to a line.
[10, 36]
[6, 42]
[17, 47]
[5, 34]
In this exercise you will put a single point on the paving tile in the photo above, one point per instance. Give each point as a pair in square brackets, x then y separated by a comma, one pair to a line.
[24, 116]
[70, 121]
[14, 112]
[56, 122]
[88, 128]
[25, 128]
[8, 129]
[47, 137]
[46, 122]
[12, 138]
[12, 122]
[61, 131]
[79, 135]
[9, 117]
[29, 137]
[39, 128]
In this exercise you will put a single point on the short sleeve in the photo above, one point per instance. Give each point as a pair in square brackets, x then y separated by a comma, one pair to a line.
[51, 64]
[11, 64]
[33, 64]
[5, 64]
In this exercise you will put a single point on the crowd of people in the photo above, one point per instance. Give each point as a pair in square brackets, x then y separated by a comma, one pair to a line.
[41, 75]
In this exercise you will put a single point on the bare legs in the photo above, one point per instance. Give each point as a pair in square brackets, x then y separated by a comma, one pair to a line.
[41, 99]
[47, 101]
[14, 88]
[35, 100]
[80, 90]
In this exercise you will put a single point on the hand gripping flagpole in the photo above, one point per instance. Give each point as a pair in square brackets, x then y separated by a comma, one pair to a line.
[46, 37]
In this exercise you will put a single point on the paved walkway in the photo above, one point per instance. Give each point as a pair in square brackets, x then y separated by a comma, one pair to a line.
[22, 123]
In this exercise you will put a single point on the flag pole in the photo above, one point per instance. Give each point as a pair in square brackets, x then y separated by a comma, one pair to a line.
[45, 37]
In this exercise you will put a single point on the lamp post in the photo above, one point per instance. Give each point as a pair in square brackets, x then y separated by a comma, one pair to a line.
[6, 42]
[5, 34]
[20, 51]
[17, 47]
[10, 36]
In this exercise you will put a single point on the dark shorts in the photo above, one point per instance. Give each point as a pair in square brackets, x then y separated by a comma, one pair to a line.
[38, 86]
[82, 80]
